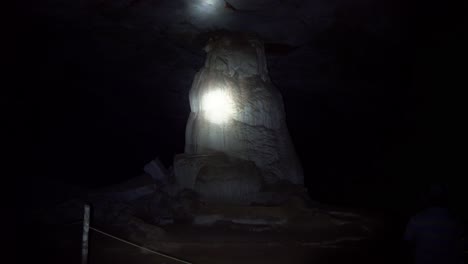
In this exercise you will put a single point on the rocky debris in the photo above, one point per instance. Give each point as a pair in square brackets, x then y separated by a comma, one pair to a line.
[157, 171]
[149, 196]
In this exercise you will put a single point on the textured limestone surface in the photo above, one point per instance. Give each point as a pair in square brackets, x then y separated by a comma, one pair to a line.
[219, 178]
[254, 126]
[236, 137]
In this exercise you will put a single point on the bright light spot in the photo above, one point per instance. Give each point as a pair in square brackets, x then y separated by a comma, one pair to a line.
[217, 106]
[204, 9]
[209, 2]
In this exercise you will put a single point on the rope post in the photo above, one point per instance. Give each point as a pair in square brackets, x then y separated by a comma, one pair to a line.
[84, 248]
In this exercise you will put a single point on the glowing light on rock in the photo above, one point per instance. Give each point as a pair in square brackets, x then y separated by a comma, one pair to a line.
[209, 2]
[204, 11]
[217, 106]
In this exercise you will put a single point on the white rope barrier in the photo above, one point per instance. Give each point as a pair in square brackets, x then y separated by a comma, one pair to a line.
[138, 246]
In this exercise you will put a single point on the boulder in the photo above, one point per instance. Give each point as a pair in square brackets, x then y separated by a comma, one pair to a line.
[218, 178]
[157, 171]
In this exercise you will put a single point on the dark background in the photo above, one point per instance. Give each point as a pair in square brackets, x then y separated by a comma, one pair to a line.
[374, 111]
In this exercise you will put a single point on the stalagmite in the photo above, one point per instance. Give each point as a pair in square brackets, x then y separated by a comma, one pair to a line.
[236, 132]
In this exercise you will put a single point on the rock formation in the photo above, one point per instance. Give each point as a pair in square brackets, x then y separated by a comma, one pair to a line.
[236, 134]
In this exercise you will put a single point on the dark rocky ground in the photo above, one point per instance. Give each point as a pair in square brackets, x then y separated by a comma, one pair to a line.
[217, 244]
[317, 233]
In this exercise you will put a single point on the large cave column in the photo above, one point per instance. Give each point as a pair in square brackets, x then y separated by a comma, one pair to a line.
[237, 111]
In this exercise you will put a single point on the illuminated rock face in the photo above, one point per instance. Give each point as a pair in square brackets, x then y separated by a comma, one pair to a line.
[236, 110]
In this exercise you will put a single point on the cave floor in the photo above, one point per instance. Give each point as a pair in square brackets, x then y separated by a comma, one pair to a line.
[221, 244]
